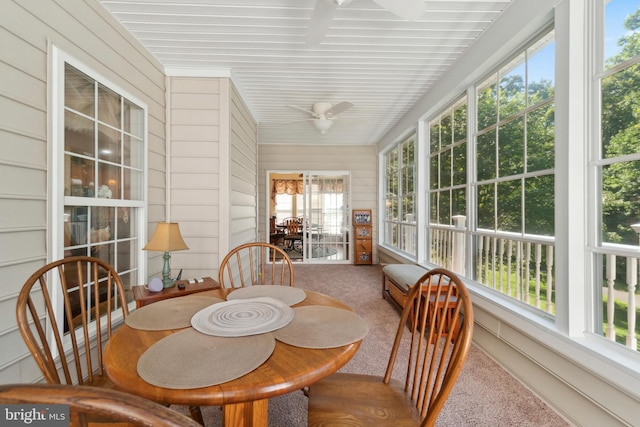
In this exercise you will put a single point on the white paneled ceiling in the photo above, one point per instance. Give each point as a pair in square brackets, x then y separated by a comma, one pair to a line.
[369, 57]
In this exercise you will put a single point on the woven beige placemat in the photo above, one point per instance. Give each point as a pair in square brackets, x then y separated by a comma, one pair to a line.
[172, 313]
[316, 326]
[189, 359]
[288, 294]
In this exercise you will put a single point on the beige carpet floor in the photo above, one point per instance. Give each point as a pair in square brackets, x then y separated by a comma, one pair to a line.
[484, 395]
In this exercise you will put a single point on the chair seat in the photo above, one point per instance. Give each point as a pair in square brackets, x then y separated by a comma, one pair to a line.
[101, 381]
[360, 400]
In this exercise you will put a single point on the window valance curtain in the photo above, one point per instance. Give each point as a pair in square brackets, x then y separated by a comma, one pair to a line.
[296, 186]
[286, 186]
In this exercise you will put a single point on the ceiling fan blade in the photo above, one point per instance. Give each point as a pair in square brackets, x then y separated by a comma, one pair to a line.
[297, 121]
[338, 108]
[405, 9]
[320, 22]
[303, 109]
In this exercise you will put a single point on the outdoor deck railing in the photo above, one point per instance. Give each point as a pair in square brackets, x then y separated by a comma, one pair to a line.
[515, 267]
[523, 269]
[617, 298]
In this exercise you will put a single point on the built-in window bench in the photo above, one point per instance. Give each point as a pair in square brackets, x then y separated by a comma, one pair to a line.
[397, 279]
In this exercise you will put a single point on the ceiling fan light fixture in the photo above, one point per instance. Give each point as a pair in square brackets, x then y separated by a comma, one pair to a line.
[323, 125]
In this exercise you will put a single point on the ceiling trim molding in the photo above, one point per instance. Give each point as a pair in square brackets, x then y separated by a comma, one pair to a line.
[214, 73]
[195, 72]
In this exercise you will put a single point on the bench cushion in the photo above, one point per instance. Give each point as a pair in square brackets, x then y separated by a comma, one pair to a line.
[403, 275]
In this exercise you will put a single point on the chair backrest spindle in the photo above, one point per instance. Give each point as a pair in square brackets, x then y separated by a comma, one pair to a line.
[441, 332]
[255, 263]
[55, 302]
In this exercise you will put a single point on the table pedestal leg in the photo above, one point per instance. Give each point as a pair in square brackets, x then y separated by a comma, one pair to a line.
[246, 414]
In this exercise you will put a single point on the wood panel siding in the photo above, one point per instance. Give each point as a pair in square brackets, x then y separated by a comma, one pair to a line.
[243, 170]
[360, 160]
[88, 33]
[212, 173]
[194, 114]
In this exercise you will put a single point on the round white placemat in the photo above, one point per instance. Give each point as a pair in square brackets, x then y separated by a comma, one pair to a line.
[288, 294]
[241, 317]
[316, 326]
[189, 359]
[172, 313]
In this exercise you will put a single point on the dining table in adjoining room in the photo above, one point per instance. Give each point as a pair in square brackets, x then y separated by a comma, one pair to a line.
[235, 348]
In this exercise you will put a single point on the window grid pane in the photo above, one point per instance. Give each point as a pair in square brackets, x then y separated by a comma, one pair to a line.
[399, 182]
[514, 180]
[618, 166]
[448, 176]
[103, 168]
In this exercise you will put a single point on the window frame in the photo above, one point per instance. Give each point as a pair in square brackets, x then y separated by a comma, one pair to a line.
[598, 249]
[400, 224]
[56, 166]
[436, 189]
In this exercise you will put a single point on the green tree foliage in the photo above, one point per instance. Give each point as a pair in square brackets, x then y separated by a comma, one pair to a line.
[518, 142]
[621, 136]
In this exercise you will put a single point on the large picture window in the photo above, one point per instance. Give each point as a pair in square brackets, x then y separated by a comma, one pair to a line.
[447, 182]
[617, 166]
[399, 220]
[514, 180]
[102, 174]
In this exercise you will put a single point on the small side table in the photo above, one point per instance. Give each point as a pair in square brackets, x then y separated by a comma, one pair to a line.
[143, 296]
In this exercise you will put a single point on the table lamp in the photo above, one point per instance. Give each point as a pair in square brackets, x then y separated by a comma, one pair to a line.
[166, 238]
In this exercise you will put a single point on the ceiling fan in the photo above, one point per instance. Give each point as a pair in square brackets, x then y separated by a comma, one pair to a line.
[323, 114]
[324, 10]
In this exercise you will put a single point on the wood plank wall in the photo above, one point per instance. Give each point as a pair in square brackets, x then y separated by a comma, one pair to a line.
[87, 32]
[212, 196]
[243, 170]
[195, 122]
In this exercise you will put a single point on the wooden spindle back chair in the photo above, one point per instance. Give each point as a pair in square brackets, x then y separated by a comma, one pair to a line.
[256, 263]
[65, 313]
[439, 343]
[90, 404]
[293, 234]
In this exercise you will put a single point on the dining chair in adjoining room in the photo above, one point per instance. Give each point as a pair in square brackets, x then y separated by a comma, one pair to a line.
[276, 235]
[93, 406]
[438, 346]
[293, 234]
[256, 263]
[74, 300]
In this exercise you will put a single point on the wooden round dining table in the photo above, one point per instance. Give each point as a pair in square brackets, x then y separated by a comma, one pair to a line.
[244, 400]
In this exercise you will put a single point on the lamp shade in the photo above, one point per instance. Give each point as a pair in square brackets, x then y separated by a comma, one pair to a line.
[166, 238]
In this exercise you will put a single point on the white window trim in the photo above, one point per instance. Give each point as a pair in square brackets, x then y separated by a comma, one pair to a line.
[55, 196]
[418, 202]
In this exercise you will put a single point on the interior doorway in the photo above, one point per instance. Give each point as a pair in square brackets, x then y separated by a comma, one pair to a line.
[319, 201]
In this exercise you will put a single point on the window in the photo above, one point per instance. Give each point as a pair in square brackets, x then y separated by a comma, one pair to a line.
[400, 198]
[447, 182]
[287, 206]
[617, 166]
[514, 182]
[101, 181]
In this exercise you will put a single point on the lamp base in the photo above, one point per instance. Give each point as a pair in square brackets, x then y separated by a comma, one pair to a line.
[168, 283]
